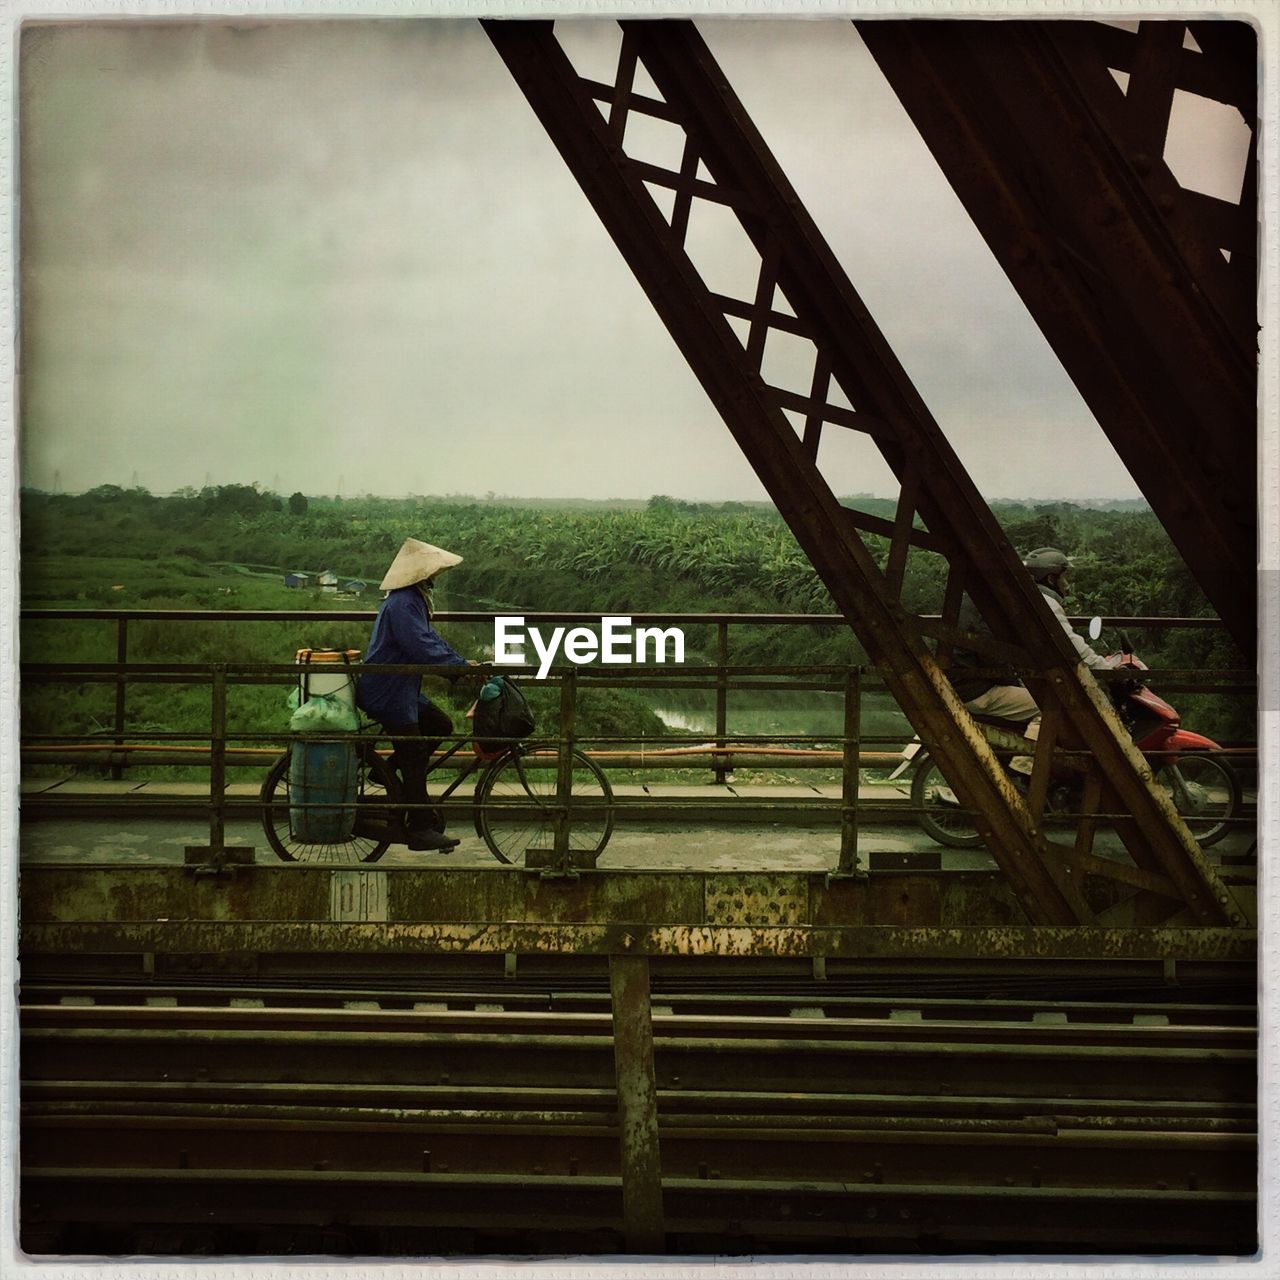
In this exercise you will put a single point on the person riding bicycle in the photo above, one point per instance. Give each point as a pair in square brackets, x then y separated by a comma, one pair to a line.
[402, 633]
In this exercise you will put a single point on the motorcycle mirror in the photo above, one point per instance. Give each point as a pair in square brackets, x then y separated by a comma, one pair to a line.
[1095, 628]
[1126, 645]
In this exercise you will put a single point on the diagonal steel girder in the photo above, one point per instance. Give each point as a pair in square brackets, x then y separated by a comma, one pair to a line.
[1121, 267]
[696, 96]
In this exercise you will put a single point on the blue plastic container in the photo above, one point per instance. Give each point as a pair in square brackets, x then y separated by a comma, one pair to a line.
[322, 791]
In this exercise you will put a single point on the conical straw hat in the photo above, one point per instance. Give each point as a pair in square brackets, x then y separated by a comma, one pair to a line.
[416, 562]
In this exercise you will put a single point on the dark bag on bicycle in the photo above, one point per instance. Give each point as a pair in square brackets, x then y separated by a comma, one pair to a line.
[505, 714]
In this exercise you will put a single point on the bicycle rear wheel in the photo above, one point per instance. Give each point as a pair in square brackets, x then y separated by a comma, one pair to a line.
[516, 804]
[377, 820]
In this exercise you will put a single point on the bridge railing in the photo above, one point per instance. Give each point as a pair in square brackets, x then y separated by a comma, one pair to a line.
[724, 624]
[844, 754]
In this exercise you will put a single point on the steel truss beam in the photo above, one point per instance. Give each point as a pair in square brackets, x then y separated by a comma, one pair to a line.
[1063, 173]
[802, 290]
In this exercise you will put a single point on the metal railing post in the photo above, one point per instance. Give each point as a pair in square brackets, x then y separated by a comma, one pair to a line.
[642, 1219]
[850, 776]
[719, 771]
[564, 767]
[122, 656]
[218, 762]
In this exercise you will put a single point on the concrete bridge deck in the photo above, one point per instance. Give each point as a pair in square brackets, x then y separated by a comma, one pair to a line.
[660, 825]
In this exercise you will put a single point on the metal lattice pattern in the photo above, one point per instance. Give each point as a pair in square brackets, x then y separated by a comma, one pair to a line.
[1058, 137]
[799, 290]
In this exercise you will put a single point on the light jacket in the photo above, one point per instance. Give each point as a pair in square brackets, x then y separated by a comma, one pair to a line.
[1086, 655]
[402, 632]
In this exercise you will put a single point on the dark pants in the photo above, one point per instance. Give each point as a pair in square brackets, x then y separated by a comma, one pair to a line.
[414, 747]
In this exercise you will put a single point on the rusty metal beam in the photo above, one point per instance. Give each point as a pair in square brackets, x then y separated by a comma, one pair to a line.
[632, 1026]
[1064, 176]
[863, 942]
[794, 255]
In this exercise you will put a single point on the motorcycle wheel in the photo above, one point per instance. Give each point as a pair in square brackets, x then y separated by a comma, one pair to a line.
[1205, 791]
[938, 810]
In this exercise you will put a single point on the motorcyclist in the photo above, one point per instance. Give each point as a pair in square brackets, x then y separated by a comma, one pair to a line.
[1050, 568]
[1003, 696]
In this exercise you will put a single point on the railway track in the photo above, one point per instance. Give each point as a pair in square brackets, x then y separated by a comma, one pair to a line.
[399, 1119]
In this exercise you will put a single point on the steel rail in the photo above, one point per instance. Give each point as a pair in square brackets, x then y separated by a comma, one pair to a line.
[42, 993]
[1195, 1114]
[683, 1025]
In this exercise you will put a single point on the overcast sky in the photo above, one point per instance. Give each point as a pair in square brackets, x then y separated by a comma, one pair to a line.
[323, 254]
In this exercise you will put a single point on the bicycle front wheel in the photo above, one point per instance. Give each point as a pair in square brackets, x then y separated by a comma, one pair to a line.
[516, 804]
[938, 810]
[376, 820]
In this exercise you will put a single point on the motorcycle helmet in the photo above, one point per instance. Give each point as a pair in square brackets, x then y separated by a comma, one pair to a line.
[1046, 562]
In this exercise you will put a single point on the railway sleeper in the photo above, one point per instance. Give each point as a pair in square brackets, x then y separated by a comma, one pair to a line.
[1008, 1153]
[433, 1212]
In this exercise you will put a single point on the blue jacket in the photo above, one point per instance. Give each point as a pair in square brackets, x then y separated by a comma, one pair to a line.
[402, 632]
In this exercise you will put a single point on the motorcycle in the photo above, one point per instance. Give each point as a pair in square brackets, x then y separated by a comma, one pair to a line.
[1190, 768]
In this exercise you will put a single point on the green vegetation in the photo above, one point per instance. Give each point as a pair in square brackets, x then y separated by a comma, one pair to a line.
[227, 548]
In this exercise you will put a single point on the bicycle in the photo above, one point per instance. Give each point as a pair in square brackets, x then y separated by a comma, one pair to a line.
[514, 804]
